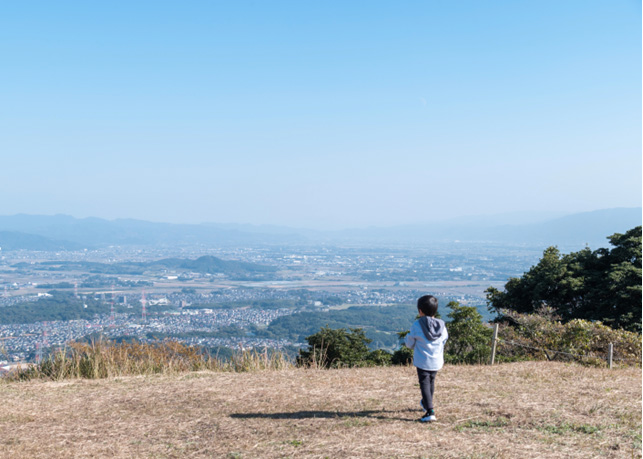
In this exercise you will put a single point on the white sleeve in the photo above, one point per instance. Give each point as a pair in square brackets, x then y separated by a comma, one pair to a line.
[409, 339]
[446, 335]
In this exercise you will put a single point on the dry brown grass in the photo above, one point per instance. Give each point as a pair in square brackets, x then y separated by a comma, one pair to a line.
[527, 409]
[105, 359]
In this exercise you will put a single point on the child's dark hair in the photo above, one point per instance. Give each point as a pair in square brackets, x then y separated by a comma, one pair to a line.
[428, 304]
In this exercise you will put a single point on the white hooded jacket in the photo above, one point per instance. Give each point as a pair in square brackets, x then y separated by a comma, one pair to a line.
[427, 354]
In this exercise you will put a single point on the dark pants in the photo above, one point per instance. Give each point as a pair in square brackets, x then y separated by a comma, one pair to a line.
[427, 385]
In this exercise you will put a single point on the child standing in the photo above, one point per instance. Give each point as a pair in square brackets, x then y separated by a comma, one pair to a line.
[427, 337]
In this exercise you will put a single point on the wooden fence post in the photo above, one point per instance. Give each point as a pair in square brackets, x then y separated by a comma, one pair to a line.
[494, 341]
[610, 355]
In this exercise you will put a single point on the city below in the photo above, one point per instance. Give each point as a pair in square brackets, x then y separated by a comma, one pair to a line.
[228, 298]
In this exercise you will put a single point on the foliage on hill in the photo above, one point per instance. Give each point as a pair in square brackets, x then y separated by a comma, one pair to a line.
[538, 336]
[97, 281]
[379, 323]
[62, 306]
[298, 298]
[541, 336]
[262, 304]
[469, 338]
[206, 265]
[63, 285]
[333, 348]
[213, 265]
[603, 285]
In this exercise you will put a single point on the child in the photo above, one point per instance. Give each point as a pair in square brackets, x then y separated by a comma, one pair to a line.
[427, 337]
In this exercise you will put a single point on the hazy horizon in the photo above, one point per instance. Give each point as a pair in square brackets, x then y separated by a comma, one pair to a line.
[499, 219]
[330, 116]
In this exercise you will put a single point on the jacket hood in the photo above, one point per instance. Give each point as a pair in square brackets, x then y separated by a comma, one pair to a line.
[431, 327]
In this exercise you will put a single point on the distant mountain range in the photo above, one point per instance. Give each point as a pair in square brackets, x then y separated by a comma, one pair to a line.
[590, 228]
[62, 232]
[14, 240]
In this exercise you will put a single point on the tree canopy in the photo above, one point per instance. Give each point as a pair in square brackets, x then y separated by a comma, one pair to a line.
[469, 338]
[336, 347]
[603, 285]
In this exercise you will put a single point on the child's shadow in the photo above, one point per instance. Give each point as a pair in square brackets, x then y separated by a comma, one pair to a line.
[373, 414]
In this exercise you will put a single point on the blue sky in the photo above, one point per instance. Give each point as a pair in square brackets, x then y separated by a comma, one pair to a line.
[325, 114]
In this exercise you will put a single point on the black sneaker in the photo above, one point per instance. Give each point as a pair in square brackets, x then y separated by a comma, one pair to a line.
[428, 417]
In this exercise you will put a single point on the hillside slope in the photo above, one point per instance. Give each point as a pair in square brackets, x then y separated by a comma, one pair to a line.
[14, 240]
[531, 409]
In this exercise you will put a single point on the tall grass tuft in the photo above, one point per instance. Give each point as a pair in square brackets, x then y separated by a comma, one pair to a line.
[315, 359]
[105, 359]
[253, 360]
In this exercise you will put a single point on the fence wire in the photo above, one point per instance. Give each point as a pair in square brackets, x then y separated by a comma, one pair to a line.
[557, 352]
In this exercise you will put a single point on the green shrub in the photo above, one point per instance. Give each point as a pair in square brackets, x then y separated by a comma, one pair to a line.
[469, 338]
[379, 357]
[403, 356]
[543, 336]
[335, 348]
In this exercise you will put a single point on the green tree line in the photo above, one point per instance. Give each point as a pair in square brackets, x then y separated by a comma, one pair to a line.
[601, 285]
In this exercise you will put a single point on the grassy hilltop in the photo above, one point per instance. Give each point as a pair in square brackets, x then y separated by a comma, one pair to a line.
[528, 409]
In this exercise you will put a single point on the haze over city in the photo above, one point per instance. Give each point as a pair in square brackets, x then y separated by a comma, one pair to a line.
[321, 116]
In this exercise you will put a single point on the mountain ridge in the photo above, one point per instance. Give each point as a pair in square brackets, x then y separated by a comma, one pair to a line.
[64, 232]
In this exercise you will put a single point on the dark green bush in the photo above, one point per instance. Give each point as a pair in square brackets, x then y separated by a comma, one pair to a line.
[469, 338]
[335, 348]
[379, 357]
[403, 356]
